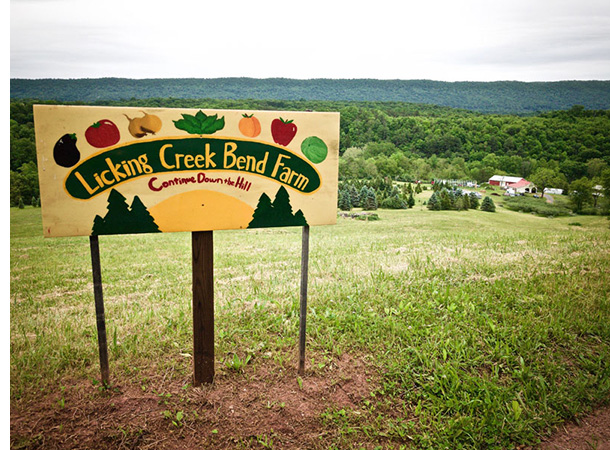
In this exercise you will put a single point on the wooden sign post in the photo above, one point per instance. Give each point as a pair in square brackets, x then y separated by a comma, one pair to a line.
[108, 170]
[203, 307]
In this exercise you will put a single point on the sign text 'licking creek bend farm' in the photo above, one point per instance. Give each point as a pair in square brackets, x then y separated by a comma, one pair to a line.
[108, 170]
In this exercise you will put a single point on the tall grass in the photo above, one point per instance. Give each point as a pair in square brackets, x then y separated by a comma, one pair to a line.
[485, 330]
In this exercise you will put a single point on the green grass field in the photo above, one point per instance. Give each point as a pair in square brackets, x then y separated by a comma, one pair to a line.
[478, 330]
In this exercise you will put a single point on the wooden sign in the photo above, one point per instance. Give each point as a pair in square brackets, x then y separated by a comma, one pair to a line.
[106, 170]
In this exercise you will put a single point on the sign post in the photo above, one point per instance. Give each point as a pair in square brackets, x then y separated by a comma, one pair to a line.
[303, 298]
[98, 294]
[118, 170]
[203, 307]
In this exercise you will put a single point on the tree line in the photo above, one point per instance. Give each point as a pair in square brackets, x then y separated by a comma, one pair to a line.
[403, 142]
[500, 97]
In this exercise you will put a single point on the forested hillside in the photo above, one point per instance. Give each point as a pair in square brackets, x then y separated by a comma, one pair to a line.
[407, 142]
[503, 97]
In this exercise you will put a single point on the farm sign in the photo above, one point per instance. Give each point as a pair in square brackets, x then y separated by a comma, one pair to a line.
[107, 170]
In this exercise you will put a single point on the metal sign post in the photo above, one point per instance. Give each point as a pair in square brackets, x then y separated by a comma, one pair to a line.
[303, 298]
[99, 308]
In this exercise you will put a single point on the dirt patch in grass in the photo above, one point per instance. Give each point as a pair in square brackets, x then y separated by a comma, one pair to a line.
[262, 407]
[590, 432]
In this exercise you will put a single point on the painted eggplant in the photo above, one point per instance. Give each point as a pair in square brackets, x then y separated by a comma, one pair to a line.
[65, 152]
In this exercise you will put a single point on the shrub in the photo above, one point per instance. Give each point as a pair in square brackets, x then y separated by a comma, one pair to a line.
[535, 206]
[393, 202]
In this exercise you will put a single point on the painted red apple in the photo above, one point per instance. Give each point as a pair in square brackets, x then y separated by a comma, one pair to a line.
[283, 131]
[102, 134]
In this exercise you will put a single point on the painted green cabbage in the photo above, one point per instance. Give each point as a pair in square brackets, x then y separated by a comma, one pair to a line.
[314, 149]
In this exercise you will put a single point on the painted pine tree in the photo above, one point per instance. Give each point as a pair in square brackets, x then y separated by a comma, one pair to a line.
[140, 218]
[121, 219]
[276, 213]
[263, 214]
[118, 211]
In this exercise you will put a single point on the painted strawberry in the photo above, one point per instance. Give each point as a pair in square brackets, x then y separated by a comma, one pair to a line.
[102, 134]
[283, 131]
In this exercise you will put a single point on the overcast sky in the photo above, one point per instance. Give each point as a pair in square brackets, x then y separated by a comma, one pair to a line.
[470, 40]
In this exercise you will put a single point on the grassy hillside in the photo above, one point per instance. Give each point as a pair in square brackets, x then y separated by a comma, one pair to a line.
[425, 329]
[489, 97]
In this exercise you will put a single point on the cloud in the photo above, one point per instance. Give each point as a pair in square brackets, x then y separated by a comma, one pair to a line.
[438, 39]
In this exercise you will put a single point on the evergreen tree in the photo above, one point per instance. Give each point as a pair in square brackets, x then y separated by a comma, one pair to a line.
[474, 201]
[354, 197]
[393, 202]
[459, 203]
[488, 205]
[364, 191]
[445, 200]
[344, 201]
[434, 203]
[370, 201]
[418, 189]
[466, 201]
[411, 200]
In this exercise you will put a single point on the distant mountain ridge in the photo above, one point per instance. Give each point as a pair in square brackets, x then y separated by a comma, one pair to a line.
[502, 97]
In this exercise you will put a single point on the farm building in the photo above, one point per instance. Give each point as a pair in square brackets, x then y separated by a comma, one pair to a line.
[503, 181]
[513, 185]
[556, 191]
[521, 187]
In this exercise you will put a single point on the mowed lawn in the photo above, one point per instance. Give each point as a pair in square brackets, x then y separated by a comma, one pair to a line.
[474, 329]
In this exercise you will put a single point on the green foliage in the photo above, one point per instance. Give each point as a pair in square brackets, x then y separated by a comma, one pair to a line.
[496, 97]
[393, 202]
[411, 200]
[370, 200]
[546, 177]
[24, 183]
[434, 203]
[538, 206]
[400, 141]
[345, 203]
[474, 200]
[488, 204]
[200, 123]
[581, 194]
[444, 199]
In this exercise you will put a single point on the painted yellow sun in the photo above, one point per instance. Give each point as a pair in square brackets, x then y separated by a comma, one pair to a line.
[200, 211]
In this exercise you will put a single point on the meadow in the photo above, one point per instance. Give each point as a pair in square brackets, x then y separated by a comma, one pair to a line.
[426, 329]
